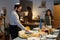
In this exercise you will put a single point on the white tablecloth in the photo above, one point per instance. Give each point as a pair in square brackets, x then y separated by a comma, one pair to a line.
[19, 38]
[26, 39]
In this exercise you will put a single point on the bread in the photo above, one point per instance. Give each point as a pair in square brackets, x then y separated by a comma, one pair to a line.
[35, 35]
[24, 36]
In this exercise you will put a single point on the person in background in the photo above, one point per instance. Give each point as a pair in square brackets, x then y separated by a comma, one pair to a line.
[48, 17]
[29, 14]
[15, 22]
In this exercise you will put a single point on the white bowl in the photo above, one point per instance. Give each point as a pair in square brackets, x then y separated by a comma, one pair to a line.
[50, 26]
[36, 29]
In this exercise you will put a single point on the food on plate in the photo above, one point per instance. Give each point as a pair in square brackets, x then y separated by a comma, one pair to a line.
[35, 35]
[24, 36]
[27, 28]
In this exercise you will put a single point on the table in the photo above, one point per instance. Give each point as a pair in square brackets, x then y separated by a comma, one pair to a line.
[18, 38]
[26, 39]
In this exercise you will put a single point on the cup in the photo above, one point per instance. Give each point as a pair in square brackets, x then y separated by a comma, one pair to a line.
[49, 26]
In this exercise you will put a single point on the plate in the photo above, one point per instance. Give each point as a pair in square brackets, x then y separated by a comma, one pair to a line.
[24, 34]
[36, 28]
[56, 30]
[33, 38]
[51, 36]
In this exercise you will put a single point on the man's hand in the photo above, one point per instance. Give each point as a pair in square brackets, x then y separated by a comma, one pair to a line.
[27, 31]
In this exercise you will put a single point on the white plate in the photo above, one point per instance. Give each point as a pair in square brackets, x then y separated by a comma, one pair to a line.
[33, 38]
[36, 29]
[51, 36]
[21, 32]
[33, 31]
[56, 30]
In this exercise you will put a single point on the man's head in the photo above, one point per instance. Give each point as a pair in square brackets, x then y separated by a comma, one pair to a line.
[18, 7]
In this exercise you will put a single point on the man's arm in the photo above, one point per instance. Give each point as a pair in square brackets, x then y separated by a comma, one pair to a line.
[18, 23]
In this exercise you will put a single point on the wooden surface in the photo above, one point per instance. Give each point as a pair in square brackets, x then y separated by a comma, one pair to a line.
[57, 16]
[2, 37]
[31, 25]
[36, 24]
[1, 17]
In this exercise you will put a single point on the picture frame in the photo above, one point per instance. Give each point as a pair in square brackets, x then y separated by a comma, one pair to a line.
[43, 4]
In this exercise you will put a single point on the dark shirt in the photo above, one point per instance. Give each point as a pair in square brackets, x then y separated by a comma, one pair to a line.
[47, 22]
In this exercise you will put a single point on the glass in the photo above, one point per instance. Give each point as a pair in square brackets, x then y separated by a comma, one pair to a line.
[43, 37]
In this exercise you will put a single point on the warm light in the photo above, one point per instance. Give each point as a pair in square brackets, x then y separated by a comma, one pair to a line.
[34, 14]
[21, 19]
[26, 13]
[33, 17]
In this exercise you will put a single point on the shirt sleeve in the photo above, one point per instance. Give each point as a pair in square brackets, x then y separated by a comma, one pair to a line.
[17, 22]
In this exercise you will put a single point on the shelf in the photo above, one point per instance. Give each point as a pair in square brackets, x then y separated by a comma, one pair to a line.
[33, 24]
[2, 17]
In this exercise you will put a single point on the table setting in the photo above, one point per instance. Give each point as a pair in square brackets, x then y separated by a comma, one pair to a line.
[38, 34]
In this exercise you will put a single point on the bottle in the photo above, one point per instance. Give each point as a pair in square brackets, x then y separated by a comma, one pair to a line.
[40, 26]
